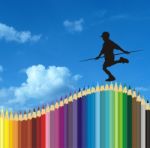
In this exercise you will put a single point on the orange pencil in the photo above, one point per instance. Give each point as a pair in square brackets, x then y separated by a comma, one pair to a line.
[15, 126]
[11, 136]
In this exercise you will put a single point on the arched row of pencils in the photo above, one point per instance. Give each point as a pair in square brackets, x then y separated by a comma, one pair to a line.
[109, 116]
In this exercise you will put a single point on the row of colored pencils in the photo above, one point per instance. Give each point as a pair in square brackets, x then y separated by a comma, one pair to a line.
[108, 116]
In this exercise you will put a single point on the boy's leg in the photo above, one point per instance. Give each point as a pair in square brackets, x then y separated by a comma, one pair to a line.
[121, 60]
[111, 77]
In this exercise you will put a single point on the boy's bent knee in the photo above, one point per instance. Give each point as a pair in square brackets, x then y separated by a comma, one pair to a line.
[104, 67]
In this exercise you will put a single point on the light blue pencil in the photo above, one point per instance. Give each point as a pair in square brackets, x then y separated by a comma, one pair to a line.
[102, 118]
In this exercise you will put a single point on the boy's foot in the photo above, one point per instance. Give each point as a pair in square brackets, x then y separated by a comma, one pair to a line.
[110, 79]
[123, 60]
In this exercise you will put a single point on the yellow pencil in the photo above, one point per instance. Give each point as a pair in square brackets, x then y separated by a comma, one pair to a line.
[6, 130]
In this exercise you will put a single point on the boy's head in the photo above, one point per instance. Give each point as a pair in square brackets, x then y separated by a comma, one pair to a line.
[105, 36]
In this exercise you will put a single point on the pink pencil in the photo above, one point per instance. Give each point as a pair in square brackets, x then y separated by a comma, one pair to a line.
[47, 127]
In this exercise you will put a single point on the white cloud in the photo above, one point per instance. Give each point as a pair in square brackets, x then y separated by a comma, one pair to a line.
[9, 33]
[74, 26]
[43, 85]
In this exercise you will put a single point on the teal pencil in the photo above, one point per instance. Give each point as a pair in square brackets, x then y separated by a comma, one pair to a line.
[91, 118]
[97, 120]
[111, 117]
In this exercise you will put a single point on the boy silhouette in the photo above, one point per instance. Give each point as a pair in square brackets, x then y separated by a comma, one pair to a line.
[108, 52]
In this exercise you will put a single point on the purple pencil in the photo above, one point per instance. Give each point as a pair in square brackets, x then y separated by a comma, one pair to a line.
[75, 126]
[52, 130]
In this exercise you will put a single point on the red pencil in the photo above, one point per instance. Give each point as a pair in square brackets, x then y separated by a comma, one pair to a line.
[43, 129]
[24, 131]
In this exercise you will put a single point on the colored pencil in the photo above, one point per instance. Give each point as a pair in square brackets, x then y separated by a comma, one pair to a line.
[109, 116]
[134, 122]
[70, 122]
[148, 127]
[52, 125]
[102, 117]
[138, 122]
[29, 130]
[97, 120]
[120, 117]
[83, 115]
[2, 129]
[107, 138]
[116, 106]
[6, 130]
[34, 129]
[143, 124]
[38, 129]
[66, 123]
[75, 123]
[11, 136]
[90, 121]
[43, 128]
[15, 130]
[125, 108]
[129, 119]
[61, 124]
[79, 122]
[56, 125]
[47, 126]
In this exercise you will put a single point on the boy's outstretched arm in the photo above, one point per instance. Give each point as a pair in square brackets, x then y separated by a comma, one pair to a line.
[119, 48]
[100, 54]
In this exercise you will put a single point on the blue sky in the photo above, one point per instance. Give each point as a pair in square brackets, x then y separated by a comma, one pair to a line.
[41, 38]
